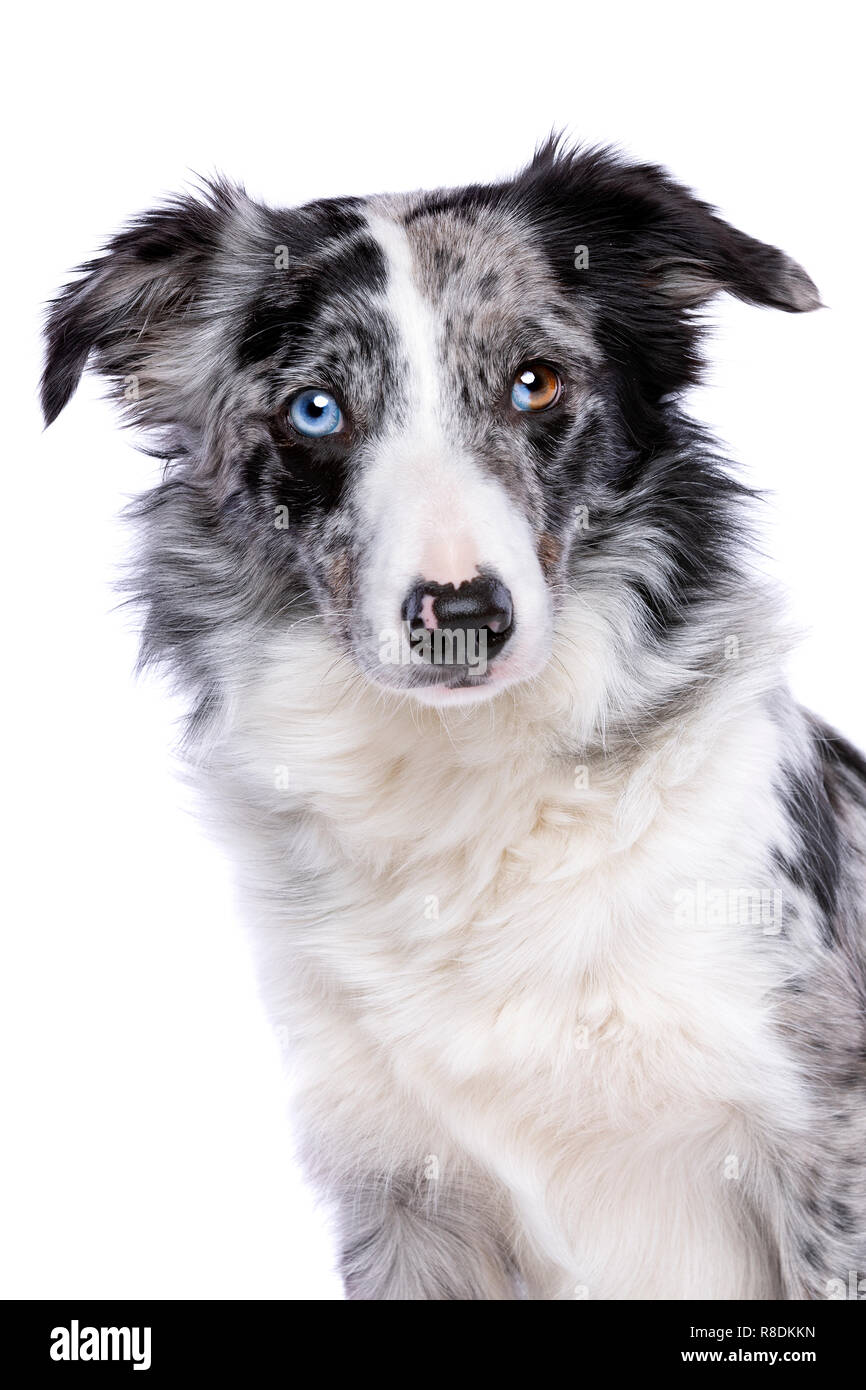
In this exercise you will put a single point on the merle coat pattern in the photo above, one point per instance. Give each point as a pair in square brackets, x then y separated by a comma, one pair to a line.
[544, 1044]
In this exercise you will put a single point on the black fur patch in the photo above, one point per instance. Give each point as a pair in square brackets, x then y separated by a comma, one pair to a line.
[816, 865]
[264, 333]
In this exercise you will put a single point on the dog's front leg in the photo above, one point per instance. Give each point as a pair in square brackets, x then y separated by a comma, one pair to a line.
[400, 1239]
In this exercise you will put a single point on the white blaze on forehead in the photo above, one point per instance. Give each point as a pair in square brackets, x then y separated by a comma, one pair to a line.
[432, 511]
[420, 472]
[420, 469]
[413, 317]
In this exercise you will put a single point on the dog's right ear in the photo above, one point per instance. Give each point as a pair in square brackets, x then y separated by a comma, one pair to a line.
[136, 309]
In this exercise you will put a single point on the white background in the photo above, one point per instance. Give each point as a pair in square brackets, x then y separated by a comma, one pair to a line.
[145, 1150]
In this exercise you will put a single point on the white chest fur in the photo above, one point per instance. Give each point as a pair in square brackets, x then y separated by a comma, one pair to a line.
[485, 951]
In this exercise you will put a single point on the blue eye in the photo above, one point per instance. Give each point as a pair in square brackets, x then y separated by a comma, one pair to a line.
[535, 387]
[315, 412]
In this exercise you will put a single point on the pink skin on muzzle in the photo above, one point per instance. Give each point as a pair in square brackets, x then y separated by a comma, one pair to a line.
[446, 560]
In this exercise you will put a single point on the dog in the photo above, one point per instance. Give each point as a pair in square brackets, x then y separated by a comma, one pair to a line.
[556, 890]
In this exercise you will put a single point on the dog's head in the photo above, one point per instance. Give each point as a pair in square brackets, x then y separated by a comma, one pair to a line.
[426, 417]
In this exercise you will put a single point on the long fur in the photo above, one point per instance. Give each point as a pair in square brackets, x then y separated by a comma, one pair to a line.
[573, 967]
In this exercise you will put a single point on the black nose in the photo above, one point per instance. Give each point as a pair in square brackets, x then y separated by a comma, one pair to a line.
[480, 606]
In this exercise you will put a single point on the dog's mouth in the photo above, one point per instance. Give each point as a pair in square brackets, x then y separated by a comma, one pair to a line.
[454, 686]
[445, 667]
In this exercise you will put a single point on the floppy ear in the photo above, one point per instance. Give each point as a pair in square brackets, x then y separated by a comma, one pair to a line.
[692, 253]
[650, 253]
[643, 229]
[138, 310]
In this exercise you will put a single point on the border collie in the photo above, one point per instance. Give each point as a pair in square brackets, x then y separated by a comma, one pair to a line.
[557, 890]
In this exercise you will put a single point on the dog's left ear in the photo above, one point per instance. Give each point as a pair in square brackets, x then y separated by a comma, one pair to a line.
[645, 254]
[642, 231]
[692, 254]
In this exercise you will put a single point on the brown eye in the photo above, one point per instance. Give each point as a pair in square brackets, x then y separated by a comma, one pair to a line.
[535, 387]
